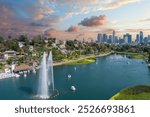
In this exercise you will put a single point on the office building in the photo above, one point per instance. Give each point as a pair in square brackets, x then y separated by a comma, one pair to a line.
[113, 39]
[141, 37]
[137, 38]
[127, 38]
[99, 38]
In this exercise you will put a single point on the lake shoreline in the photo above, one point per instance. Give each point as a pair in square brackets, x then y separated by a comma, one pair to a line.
[141, 56]
[76, 60]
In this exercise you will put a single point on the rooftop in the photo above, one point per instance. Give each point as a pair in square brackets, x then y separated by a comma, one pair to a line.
[22, 67]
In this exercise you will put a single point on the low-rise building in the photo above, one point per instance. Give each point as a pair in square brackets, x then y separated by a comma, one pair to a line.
[31, 48]
[1, 57]
[8, 54]
[22, 67]
[21, 44]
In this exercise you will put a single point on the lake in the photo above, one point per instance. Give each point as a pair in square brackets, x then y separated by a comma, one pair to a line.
[97, 81]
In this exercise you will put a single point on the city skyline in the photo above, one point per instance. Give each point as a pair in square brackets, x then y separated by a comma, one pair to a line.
[126, 38]
[74, 18]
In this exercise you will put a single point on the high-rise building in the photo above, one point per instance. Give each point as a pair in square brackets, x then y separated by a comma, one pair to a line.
[138, 38]
[141, 37]
[110, 39]
[121, 41]
[127, 38]
[145, 40]
[104, 38]
[148, 38]
[99, 38]
[116, 39]
[113, 39]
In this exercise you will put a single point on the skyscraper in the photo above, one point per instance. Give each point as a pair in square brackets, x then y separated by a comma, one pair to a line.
[100, 38]
[138, 38]
[141, 37]
[116, 39]
[127, 38]
[110, 39]
[105, 38]
[148, 38]
[113, 39]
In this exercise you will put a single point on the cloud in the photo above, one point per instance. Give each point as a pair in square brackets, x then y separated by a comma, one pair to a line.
[145, 20]
[78, 7]
[42, 13]
[117, 4]
[36, 24]
[83, 7]
[63, 35]
[73, 29]
[6, 11]
[34, 16]
[26, 18]
[93, 21]
[137, 30]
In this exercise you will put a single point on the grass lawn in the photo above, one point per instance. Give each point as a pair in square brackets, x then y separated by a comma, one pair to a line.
[1, 66]
[135, 55]
[83, 61]
[141, 92]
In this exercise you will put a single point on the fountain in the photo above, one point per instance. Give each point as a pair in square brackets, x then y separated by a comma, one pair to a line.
[46, 77]
[50, 72]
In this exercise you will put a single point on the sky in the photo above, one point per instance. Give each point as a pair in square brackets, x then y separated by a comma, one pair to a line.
[74, 18]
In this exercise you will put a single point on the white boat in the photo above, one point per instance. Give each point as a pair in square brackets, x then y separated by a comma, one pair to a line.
[34, 71]
[25, 75]
[20, 72]
[17, 75]
[69, 76]
[149, 65]
[75, 68]
[73, 88]
[25, 72]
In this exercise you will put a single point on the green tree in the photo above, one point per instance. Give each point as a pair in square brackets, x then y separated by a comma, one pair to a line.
[9, 60]
[149, 58]
[1, 39]
[1, 66]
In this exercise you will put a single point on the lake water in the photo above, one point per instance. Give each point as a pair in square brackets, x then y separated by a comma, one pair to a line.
[96, 81]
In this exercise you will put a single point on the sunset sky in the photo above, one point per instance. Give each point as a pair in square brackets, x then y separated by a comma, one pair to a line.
[69, 18]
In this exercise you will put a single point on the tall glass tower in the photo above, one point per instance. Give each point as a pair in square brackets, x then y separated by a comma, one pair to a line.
[113, 39]
[141, 37]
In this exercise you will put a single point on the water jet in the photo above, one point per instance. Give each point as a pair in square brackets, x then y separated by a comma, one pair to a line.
[46, 80]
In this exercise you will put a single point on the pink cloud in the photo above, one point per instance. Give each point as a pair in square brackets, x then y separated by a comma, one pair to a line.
[62, 35]
[93, 21]
[73, 29]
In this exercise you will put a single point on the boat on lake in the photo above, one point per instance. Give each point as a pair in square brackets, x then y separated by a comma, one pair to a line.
[73, 88]
[69, 76]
